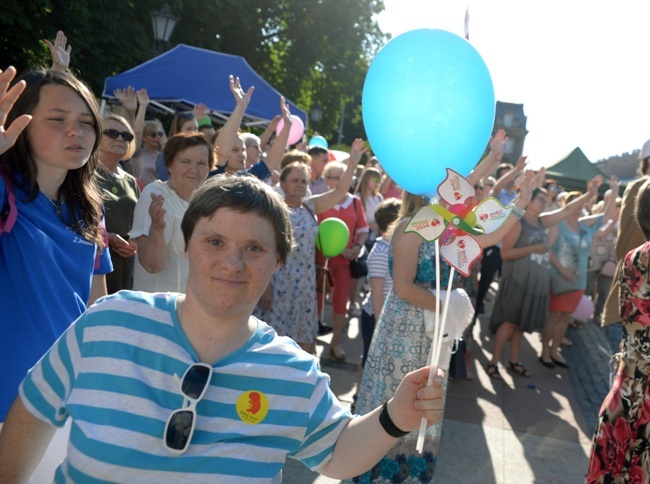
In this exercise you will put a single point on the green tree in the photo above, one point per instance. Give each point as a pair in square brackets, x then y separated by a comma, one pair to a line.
[313, 51]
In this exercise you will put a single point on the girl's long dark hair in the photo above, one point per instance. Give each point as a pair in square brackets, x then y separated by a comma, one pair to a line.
[79, 189]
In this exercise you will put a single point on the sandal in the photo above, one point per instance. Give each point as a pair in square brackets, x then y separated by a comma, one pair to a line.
[518, 368]
[493, 372]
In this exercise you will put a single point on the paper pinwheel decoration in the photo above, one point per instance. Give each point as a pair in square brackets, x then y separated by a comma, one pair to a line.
[456, 223]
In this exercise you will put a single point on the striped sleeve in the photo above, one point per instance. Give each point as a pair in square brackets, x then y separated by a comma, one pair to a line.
[328, 419]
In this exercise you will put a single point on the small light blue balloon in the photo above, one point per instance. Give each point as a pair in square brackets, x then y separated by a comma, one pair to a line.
[428, 104]
[318, 141]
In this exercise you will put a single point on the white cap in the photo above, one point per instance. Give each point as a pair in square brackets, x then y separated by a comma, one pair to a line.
[645, 151]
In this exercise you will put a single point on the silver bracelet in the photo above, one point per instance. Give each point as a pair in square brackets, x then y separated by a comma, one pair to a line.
[517, 212]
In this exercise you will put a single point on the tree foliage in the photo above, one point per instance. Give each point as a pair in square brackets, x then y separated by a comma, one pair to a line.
[313, 51]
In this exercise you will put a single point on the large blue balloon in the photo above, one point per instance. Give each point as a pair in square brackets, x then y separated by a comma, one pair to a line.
[428, 104]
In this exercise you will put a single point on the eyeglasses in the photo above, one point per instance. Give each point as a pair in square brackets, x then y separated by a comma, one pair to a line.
[114, 134]
[376, 180]
[180, 424]
[157, 134]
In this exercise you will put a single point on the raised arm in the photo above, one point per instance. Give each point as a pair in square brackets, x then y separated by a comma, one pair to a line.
[520, 202]
[9, 135]
[492, 160]
[552, 218]
[275, 153]
[60, 54]
[138, 125]
[129, 102]
[327, 200]
[265, 138]
[508, 177]
[228, 132]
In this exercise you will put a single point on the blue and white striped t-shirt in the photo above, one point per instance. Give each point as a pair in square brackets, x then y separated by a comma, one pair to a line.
[378, 268]
[116, 372]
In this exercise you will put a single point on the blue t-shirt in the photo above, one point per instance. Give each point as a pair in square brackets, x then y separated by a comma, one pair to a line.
[46, 270]
[572, 249]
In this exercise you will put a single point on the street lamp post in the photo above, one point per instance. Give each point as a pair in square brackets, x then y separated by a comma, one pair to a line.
[164, 22]
[316, 113]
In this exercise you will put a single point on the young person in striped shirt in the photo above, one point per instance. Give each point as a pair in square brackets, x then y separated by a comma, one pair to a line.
[191, 387]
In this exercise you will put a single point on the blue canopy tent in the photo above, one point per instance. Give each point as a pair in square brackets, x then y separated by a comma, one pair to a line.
[185, 76]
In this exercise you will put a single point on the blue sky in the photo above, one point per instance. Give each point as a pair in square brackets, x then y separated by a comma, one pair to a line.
[580, 68]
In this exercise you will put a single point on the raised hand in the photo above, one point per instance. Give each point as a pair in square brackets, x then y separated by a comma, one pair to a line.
[285, 112]
[498, 143]
[7, 99]
[241, 98]
[594, 184]
[527, 186]
[521, 163]
[357, 151]
[60, 54]
[200, 112]
[614, 184]
[127, 98]
[143, 97]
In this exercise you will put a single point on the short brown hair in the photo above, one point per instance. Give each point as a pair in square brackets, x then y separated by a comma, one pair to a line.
[386, 213]
[244, 194]
[182, 141]
[295, 155]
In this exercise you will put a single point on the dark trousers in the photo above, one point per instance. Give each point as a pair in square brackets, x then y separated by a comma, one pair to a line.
[490, 265]
[367, 329]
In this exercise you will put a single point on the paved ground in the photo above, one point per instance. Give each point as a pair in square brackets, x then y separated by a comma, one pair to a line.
[517, 430]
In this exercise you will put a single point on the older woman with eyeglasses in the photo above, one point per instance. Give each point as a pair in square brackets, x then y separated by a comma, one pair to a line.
[120, 193]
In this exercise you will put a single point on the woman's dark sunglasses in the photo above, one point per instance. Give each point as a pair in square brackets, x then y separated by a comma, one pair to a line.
[114, 134]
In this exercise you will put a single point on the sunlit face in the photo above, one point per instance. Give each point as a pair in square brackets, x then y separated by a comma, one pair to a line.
[190, 168]
[537, 205]
[318, 163]
[295, 184]
[333, 178]
[61, 134]
[237, 156]
[113, 147]
[190, 126]
[253, 152]
[153, 139]
[232, 256]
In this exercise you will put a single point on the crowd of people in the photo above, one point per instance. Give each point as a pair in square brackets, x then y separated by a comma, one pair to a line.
[173, 274]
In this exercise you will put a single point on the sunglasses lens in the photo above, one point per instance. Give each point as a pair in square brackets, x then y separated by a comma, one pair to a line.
[126, 136]
[195, 381]
[112, 133]
[179, 430]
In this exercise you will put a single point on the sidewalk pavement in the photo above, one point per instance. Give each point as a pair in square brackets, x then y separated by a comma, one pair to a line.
[517, 430]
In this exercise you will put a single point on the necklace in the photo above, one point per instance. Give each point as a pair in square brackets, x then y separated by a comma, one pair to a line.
[56, 205]
[112, 178]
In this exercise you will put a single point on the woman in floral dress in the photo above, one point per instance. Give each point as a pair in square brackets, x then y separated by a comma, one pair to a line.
[621, 445]
[400, 344]
[289, 303]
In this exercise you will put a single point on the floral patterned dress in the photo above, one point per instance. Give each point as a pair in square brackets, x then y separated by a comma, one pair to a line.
[621, 445]
[399, 346]
[294, 313]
